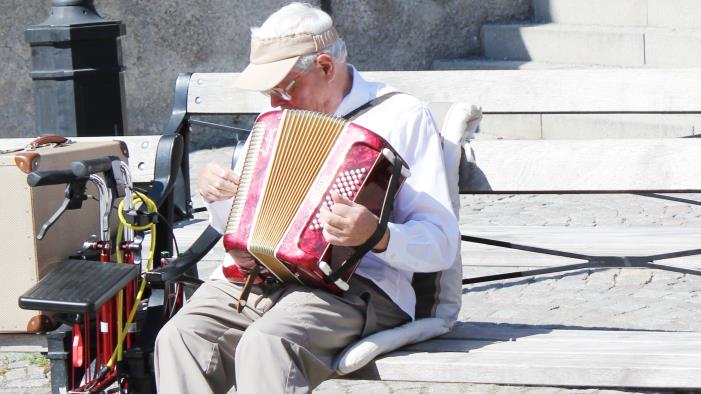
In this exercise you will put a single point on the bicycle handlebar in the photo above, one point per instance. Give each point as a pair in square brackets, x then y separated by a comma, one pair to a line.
[56, 177]
[84, 168]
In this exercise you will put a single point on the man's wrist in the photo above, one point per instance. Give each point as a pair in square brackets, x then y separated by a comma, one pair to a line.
[381, 246]
[205, 198]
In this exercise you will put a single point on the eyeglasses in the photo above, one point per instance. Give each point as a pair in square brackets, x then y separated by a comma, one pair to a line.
[282, 93]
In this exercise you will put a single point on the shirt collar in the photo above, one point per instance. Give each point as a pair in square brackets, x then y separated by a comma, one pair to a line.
[361, 92]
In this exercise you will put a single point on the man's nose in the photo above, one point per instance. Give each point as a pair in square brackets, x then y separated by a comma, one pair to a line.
[277, 101]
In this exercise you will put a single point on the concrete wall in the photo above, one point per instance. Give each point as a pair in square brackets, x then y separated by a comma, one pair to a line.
[167, 37]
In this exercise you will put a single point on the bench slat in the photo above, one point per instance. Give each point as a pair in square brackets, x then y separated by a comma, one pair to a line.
[550, 166]
[543, 369]
[582, 346]
[553, 91]
[499, 91]
[538, 356]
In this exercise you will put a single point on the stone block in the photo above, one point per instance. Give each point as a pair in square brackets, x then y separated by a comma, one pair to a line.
[576, 126]
[674, 13]
[404, 35]
[659, 13]
[36, 372]
[564, 44]
[21, 363]
[510, 126]
[16, 374]
[29, 384]
[489, 64]
[592, 12]
[673, 47]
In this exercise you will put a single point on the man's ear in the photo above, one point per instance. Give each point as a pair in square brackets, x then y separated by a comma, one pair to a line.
[327, 65]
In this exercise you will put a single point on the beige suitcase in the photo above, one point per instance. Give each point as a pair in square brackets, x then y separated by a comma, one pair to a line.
[23, 210]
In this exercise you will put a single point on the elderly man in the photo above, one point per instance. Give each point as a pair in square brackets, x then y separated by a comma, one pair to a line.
[287, 336]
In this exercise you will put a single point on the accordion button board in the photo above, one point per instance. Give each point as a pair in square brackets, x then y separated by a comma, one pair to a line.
[347, 185]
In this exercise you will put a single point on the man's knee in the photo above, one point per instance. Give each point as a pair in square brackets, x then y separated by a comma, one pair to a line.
[169, 334]
[165, 349]
[255, 337]
[262, 338]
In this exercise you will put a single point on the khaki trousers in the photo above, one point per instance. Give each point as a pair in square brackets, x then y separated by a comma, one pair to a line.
[284, 341]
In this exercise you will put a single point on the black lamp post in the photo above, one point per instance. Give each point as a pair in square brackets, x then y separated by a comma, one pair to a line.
[77, 72]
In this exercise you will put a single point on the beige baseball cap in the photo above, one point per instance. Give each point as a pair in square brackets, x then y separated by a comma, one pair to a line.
[273, 58]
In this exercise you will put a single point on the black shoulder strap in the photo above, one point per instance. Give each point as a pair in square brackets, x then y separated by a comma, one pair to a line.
[369, 105]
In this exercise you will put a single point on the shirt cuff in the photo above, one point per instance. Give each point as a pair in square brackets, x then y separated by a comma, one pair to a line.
[394, 246]
[219, 213]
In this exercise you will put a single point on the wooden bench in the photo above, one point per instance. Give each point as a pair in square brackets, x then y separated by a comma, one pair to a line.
[499, 354]
[548, 357]
[533, 104]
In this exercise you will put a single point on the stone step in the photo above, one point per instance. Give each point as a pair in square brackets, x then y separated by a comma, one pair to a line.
[488, 64]
[22, 343]
[657, 13]
[617, 46]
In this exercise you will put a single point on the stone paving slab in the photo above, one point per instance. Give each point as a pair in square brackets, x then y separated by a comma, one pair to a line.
[611, 298]
[24, 373]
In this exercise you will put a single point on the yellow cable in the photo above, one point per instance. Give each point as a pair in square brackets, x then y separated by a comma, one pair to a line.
[123, 331]
[132, 313]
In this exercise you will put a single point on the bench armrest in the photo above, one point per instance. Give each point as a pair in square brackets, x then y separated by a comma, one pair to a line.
[179, 112]
[169, 155]
[184, 263]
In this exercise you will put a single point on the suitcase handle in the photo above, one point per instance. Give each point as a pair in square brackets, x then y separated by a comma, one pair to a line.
[47, 139]
[38, 142]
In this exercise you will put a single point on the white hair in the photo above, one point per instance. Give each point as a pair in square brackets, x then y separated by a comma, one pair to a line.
[296, 18]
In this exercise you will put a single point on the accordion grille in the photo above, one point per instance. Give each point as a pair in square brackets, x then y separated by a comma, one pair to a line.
[304, 141]
[249, 161]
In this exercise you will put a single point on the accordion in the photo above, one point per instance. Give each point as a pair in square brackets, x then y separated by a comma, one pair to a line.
[295, 159]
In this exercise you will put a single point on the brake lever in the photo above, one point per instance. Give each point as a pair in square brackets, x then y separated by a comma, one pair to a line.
[47, 225]
[74, 196]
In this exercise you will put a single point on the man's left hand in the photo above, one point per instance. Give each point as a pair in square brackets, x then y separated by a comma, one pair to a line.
[349, 224]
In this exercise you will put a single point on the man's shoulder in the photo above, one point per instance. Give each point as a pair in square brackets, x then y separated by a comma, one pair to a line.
[399, 117]
[402, 101]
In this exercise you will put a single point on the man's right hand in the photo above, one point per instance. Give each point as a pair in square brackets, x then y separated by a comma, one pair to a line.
[243, 259]
[217, 183]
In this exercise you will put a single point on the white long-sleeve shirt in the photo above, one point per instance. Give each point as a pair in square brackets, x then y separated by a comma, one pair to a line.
[424, 233]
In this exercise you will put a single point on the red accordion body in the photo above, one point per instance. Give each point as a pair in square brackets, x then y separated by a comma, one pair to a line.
[294, 160]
